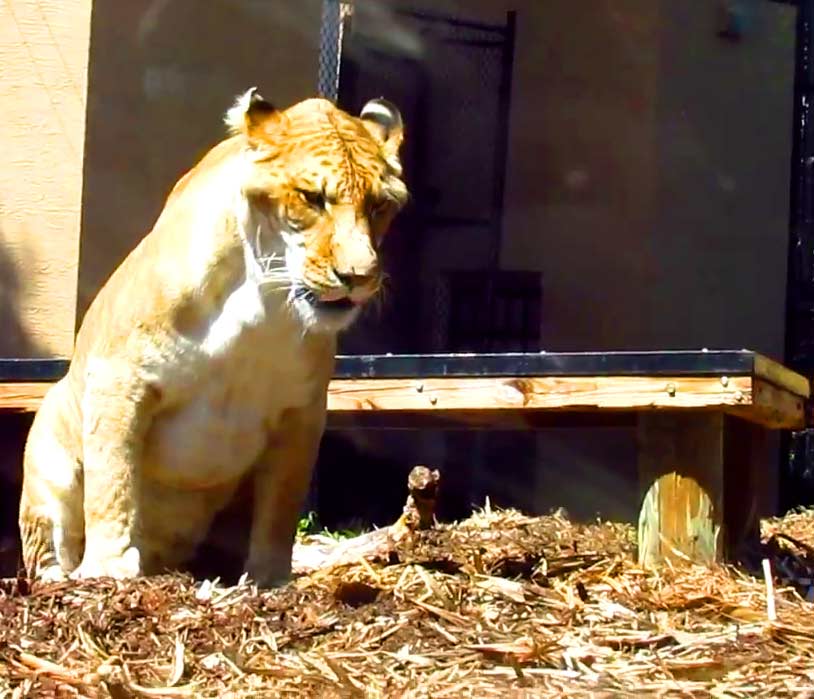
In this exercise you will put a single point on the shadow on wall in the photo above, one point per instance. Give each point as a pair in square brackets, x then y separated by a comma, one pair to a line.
[14, 428]
[16, 342]
[161, 76]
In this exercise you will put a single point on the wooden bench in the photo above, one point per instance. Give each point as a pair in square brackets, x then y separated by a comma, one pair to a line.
[701, 418]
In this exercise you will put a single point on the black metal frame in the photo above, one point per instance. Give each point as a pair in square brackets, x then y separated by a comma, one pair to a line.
[797, 448]
[668, 363]
[799, 349]
[504, 38]
[502, 145]
[32, 370]
[395, 366]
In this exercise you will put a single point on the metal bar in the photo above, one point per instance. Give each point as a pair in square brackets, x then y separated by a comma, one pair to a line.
[801, 203]
[676, 363]
[33, 370]
[502, 140]
[797, 448]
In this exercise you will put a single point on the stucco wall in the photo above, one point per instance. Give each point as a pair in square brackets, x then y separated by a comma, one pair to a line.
[637, 177]
[637, 180]
[163, 74]
[43, 80]
[648, 174]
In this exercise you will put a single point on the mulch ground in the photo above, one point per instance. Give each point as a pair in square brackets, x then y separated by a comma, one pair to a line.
[498, 605]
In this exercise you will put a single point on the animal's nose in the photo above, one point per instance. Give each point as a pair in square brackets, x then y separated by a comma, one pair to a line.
[354, 277]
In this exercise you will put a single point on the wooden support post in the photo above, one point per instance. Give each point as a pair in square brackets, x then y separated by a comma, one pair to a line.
[703, 488]
[750, 483]
[681, 476]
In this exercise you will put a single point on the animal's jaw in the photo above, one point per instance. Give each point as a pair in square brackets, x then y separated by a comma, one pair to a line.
[315, 312]
[275, 259]
[323, 316]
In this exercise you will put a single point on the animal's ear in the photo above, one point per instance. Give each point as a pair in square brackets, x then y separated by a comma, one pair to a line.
[383, 120]
[251, 115]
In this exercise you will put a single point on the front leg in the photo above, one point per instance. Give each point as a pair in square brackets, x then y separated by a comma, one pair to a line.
[116, 412]
[281, 479]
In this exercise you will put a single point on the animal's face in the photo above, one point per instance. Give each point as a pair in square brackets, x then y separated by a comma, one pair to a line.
[329, 184]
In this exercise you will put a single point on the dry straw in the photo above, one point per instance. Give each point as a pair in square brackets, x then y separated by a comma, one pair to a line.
[500, 605]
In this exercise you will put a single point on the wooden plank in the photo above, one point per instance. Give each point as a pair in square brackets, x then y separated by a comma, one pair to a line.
[459, 394]
[780, 376]
[460, 398]
[613, 392]
[773, 407]
[681, 475]
[22, 397]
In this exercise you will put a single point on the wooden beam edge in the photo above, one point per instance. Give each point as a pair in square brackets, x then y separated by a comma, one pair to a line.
[772, 407]
[781, 376]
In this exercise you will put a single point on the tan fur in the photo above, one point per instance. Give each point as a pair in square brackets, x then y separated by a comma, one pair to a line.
[204, 360]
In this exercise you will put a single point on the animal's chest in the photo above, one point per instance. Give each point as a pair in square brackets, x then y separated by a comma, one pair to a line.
[246, 368]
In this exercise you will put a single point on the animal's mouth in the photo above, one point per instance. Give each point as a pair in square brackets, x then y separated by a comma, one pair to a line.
[340, 304]
[343, 304]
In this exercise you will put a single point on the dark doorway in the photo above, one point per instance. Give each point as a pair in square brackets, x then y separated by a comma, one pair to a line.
[451, 78]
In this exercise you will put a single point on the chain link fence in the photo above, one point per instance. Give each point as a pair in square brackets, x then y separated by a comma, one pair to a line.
[336, 16]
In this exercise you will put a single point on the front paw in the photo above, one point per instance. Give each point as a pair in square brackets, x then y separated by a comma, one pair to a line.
[127, 565]
[269, 570]
[51, 574]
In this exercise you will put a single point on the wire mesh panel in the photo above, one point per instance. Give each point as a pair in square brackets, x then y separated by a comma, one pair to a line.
[336, 16]
[488, 311]
[450, 77]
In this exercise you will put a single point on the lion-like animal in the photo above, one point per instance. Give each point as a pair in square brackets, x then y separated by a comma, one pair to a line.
[205, 358]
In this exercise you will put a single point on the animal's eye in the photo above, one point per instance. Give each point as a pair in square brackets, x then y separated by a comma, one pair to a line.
[312, 198]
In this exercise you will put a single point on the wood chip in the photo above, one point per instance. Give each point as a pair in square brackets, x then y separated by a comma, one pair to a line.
[556, 609]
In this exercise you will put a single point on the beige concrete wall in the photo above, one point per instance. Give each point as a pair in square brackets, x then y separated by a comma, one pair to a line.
[632, 151]
[648, 173]
[163, 73]
[718, 236]
[632, 148]
[43, 80]
[581, 173]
